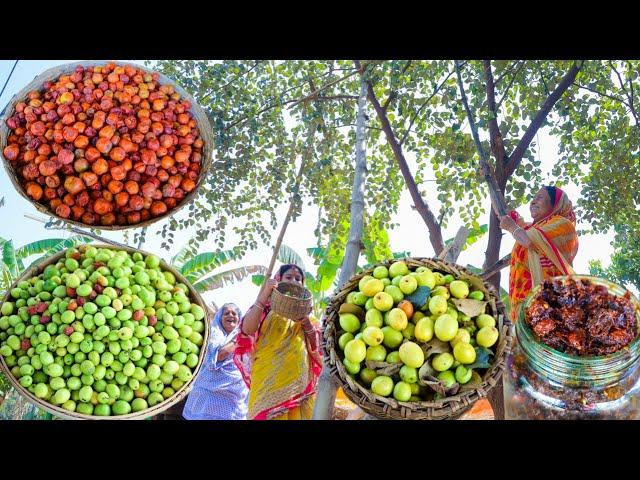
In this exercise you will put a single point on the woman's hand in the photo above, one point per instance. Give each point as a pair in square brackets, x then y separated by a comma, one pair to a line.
[507, 223]
[265, 294]
[227, 350]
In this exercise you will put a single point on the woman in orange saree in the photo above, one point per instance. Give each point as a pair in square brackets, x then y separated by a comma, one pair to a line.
[279, 358]
[544, 248]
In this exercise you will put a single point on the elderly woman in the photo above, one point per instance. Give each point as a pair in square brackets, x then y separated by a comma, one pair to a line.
[219, 392]
[544, 248]
[279, 357]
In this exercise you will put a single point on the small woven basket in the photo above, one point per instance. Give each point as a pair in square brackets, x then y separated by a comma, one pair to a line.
[291, 300]
[389, 408]
[204, 127]
[181, 394]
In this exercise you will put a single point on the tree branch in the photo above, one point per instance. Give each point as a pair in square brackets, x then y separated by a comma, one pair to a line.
[618, 75]
[544, 81]
[602, 94]
[508, 71]
[516, 157]
[504, 95]
[496, 267]
[392, 96]
[452, 252]
[424, 104]
[435, 233]
[324, 87]
[497, 200]
[631, 93]
[406, 67]
[338, 97]
[259, 112]
[495, 135]
[394, 93]
[246, 72]
[288, 102]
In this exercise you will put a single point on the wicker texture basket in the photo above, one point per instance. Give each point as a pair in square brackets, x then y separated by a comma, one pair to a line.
[181, 394]
[389, 408]
[206, 132]
[291, 300]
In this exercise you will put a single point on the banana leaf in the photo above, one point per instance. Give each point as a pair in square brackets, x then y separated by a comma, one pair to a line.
[40, 246]
[205, 263]
[180, 258]
[227, 278]
[11, 262]
[287, 254]
[63, 245]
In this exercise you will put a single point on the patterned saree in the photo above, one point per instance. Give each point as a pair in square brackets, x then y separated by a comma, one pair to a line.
[280, 368]
[555, 244]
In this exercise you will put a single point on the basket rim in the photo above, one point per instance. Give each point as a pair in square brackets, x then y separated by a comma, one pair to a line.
[383, 407]
[204, 127]
[304, 290]
[178, 396]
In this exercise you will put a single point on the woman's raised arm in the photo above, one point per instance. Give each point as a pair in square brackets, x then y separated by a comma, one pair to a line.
[251, 321]
[507, 223]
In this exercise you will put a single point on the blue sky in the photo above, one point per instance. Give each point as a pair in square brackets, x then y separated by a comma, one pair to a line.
[410, 236]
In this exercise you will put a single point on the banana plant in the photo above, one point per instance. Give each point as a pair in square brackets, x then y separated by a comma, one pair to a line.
[199, 268]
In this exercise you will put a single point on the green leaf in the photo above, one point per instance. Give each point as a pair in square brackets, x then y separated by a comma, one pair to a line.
[419, 297]
[38, 247]
[63, 245]
[179, 258]
[9, 258]
[205, 263]
[227, 278]
[316, 253]
[482, 358]
[287, 254]
[257, 279]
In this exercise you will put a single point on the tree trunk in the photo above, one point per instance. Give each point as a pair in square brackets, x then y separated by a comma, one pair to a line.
[354, 245]
[496, 267]
[326, 396]
[435, 232]
[452, 252]
[492, 253]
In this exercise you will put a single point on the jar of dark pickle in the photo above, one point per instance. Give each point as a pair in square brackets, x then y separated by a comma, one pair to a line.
[542, 383]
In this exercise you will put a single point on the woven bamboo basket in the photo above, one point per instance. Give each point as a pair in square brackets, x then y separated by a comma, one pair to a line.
[445, 408]
[181, 394]
[206, 132]
[291, 300]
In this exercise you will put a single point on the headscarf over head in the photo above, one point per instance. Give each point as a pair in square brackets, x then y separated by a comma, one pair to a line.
[218, 333]
[561, 205]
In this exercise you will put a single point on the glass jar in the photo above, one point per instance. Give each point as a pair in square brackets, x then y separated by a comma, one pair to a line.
[542, 383]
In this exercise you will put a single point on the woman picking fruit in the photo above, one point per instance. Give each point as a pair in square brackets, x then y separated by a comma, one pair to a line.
[278, 357]
[544, 248]
[219, 392]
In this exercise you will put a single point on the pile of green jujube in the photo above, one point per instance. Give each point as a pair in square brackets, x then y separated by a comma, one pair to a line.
[416, 335]
[102, 332]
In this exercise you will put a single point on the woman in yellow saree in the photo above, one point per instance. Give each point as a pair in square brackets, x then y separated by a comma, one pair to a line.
[279, 358]
[544, 248]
